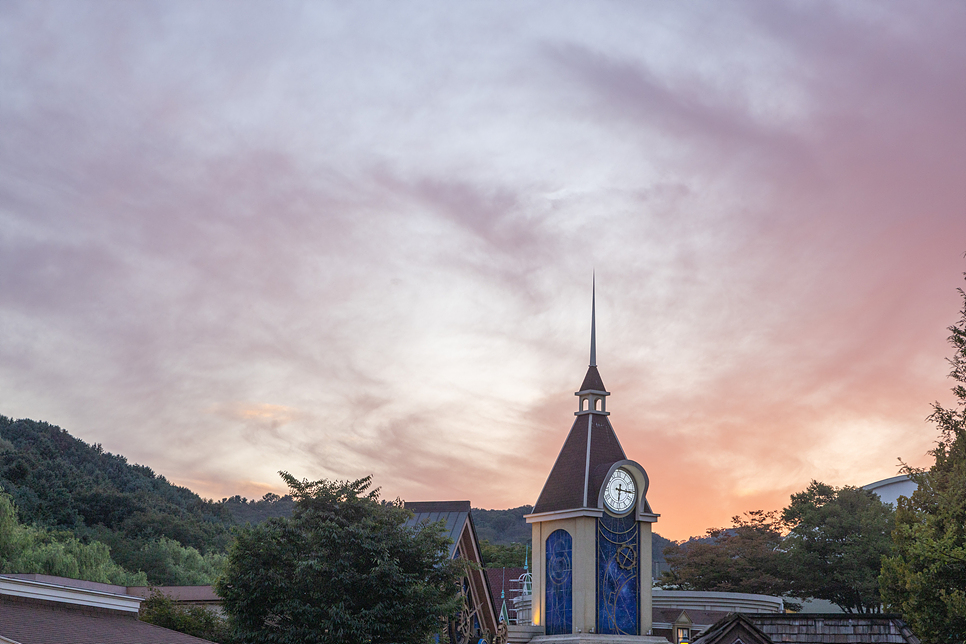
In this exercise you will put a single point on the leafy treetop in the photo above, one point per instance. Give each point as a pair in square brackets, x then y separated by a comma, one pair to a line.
[344, 568]
[925, 579]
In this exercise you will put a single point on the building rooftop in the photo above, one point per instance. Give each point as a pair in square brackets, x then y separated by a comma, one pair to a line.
[36, 611]
[454, 514]
[581, 465]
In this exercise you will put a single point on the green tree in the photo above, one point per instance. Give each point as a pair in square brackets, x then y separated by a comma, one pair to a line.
[344, 568]
[27, 549]
[172, 564]
[925, 579]
[498, 555]
[744, 558]
[161, 610]
[835, 545]
[827, 544]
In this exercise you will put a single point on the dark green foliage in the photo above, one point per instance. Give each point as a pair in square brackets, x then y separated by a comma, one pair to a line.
[344, 568]
[268, 507]
[26, 549]
[165, 561]
[744, 558]
[512, 555]
[62, 483]
[826, 544]
[835, 545]
[160, 610]
[503, 527]
[925, 579]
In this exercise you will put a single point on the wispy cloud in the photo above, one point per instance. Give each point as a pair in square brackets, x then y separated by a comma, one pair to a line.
[338, 240]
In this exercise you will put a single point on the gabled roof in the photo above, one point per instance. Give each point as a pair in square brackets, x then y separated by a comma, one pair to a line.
[581, 465]
[460, 529]
[696, 617]
[455, 514]
[735, 628]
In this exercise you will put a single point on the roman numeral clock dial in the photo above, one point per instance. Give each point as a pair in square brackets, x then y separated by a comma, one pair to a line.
[620, 491]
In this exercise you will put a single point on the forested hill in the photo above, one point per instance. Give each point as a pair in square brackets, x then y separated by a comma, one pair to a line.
[66, 486]
[502, 527]
[60, 482]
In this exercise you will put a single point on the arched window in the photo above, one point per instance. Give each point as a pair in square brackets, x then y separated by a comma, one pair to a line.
[559, 583]
[597, 403]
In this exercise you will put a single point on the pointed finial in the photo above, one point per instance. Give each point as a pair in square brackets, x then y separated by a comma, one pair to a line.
[593, 323]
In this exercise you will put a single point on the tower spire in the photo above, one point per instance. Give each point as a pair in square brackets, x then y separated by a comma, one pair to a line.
[593, 322]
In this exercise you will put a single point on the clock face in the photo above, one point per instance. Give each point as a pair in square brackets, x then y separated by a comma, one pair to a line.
[620, 492]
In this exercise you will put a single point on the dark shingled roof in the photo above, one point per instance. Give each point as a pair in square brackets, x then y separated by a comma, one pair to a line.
[804, 628]
[817, 628]
[592, 381]
[733, 628]
[564, 489]
[698, 617]
[40, 622]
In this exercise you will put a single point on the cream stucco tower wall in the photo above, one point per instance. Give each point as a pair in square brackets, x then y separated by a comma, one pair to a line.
[582, 527]
[572, 501]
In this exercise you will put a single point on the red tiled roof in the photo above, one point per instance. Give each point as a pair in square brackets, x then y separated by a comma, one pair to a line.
[500, 579]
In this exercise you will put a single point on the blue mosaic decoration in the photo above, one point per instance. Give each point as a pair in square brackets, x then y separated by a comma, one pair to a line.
[618, 575]
[560, 591]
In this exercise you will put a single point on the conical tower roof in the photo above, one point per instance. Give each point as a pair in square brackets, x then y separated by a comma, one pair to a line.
[592, 381]
[589, 451]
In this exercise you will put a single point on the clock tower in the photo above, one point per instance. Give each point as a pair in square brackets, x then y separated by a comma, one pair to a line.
[592, 530]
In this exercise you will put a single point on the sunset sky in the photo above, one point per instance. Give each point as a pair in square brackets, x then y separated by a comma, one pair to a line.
[344, 239]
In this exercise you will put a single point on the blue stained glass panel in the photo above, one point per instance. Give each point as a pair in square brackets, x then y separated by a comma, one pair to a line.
[559, 583]
[618, 575]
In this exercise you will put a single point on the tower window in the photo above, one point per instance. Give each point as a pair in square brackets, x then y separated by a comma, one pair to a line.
[559, 583]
